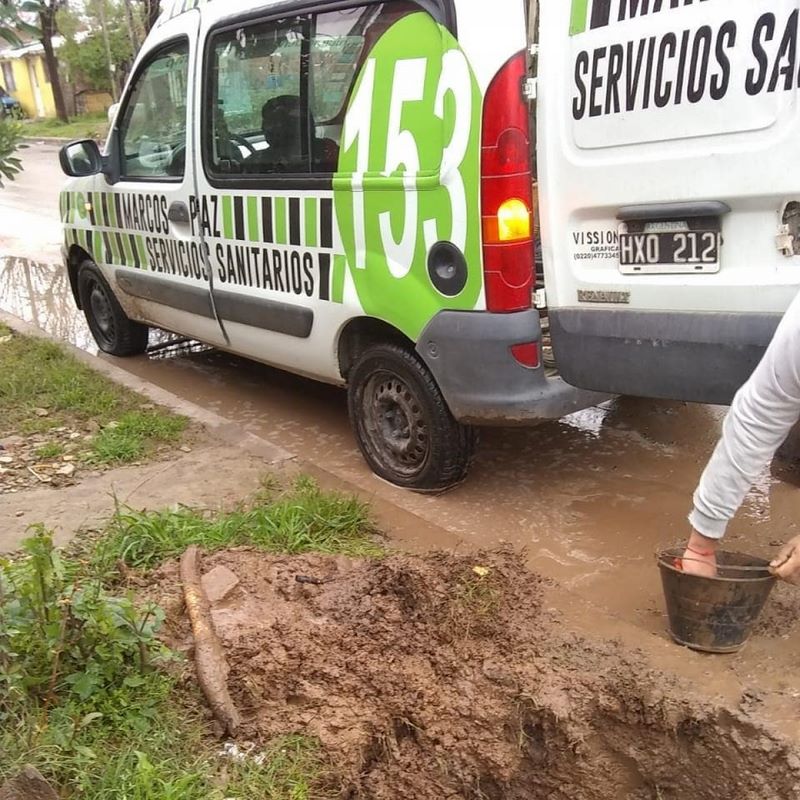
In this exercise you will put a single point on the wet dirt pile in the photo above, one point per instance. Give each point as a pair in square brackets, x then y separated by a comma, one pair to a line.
[444, 677]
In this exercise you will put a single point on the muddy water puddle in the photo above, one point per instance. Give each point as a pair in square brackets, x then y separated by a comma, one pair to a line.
[591, 497]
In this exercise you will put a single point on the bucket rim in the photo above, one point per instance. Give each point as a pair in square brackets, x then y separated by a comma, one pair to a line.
[664, 557]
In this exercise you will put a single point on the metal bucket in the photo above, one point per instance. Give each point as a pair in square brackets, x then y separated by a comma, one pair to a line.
[715, 615]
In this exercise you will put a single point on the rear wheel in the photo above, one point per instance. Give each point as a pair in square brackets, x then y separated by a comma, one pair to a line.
[114, 332]
[403, 425]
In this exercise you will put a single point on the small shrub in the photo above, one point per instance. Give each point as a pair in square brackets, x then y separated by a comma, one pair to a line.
[62, 634]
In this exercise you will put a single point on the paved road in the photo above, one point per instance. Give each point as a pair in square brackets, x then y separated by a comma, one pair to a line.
[591, 497]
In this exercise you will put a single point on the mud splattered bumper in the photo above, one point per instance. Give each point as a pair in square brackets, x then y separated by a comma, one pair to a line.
[469, 354]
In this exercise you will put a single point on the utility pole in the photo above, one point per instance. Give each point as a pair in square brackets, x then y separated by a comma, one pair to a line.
[112, 70]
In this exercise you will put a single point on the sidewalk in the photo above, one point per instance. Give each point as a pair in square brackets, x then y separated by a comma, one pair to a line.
[223, 466]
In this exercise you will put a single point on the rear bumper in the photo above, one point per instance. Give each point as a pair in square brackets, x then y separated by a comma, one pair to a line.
[469, 355]
[701, 357]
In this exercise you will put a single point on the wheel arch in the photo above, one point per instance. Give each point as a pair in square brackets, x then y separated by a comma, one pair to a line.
[360, 333]
[75, 257]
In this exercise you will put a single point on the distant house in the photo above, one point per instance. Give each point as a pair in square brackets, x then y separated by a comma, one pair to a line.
[23, 73]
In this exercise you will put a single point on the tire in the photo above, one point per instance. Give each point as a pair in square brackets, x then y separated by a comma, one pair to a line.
[403, 427]
[114, 332]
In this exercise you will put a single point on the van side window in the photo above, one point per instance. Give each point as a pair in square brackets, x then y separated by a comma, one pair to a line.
[279, 90]
[153, 128]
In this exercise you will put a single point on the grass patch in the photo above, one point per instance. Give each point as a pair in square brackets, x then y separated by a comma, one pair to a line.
[42, 388]
[301, 520]
[91, 698]
[475, 601]
[50, 450]
[129, 439]
[147, 742]
[88, 126]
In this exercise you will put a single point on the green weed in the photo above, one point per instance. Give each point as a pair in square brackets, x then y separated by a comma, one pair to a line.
[304, 519]
[50, 450]
[61, 634]
[475, 600]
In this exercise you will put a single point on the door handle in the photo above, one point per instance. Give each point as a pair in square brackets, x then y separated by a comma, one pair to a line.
[179, 213]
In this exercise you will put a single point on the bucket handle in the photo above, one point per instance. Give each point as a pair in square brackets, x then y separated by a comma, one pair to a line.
[674, 561]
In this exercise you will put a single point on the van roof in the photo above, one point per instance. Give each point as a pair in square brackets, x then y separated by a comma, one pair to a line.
[170, 9]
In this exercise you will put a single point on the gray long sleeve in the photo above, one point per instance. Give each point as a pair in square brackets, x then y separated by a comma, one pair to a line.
[763, 413]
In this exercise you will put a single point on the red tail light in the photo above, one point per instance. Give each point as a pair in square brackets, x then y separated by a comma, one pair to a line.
[506, 192]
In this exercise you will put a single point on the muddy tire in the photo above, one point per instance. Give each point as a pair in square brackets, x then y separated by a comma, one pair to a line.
[114, 332]
[402, 424]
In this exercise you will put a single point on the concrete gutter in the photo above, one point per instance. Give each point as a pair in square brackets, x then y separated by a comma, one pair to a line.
[224, 429]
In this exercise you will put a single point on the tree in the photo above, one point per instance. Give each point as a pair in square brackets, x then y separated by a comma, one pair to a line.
[12, 24]
[152, 10]
[47, 22]
[10, 138]
[97, 45]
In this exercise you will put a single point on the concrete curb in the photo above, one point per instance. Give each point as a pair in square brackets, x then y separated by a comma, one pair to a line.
[224, 429]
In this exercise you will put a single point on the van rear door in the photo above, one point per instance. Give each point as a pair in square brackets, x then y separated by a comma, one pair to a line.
[668, 151]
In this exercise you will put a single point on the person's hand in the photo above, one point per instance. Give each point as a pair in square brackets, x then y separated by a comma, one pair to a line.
[787, 564]
[700, 556]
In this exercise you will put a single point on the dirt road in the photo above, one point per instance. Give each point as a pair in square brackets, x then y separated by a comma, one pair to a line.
[591, 497]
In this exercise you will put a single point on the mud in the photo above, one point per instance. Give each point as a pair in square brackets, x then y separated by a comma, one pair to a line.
[445, 677]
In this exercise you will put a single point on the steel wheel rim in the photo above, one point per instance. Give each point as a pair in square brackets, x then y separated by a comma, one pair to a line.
[102, 313]
[394, 425]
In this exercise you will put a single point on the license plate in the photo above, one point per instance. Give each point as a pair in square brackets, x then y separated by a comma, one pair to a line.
[669, 251]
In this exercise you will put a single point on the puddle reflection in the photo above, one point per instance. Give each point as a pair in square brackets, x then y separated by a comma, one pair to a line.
[40, 293]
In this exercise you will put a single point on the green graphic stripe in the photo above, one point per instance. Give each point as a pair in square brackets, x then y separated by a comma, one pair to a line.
[227, 217]
[123, 250]
[120, 249]
[142, 252]
[112, 211]
[97, 202]
[102, 211]
[311, 221]
[131, 243]
[337, 281]
[112, 249]
[253, 226]
[280, 220]
[580, 14]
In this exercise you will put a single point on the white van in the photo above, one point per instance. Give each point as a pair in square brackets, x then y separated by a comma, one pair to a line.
[343, 189]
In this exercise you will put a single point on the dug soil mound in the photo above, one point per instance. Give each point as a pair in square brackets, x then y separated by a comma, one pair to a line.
[444, 677]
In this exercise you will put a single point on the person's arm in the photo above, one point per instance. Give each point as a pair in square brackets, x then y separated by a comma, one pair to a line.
[763, 413]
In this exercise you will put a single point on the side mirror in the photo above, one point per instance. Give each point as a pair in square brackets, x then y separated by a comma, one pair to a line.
[81, 159]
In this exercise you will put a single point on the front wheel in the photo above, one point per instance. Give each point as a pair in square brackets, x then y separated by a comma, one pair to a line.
[402, 424]
[114, 332]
